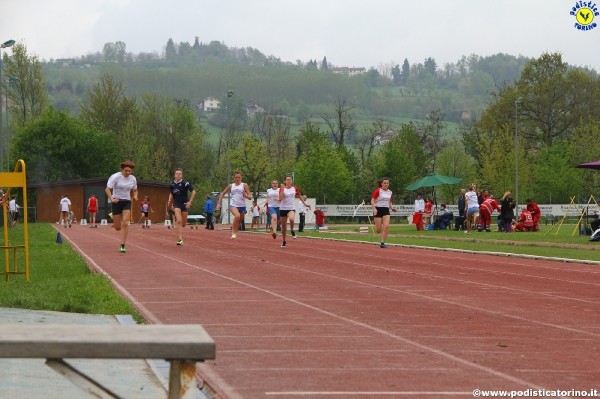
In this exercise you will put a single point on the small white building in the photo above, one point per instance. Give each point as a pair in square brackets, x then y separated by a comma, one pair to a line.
[210, 104]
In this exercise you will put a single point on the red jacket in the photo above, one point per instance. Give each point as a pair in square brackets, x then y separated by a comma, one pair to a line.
[489, 205]
[534, 209]
[319, 217]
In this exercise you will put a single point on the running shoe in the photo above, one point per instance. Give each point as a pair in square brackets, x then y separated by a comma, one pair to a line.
[122, 248]
[383, 245]
[274, 235]
[233, 236]
[283, 244]
[293, 235]
[180, 242]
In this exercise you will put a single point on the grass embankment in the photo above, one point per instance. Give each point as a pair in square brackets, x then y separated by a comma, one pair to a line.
[60, 279]
[552, 241]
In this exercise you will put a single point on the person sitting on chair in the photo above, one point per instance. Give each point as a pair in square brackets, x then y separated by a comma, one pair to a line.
[444, 218]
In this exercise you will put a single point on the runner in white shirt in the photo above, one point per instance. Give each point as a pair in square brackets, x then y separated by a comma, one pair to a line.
[471, 207]
[381, 202]
[287, 195]
[65, 210]
[118, 190]
[273, 206]
[239, 193]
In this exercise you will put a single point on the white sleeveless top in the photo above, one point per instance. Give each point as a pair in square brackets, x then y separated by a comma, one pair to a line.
[273, 197]
[237, 195]
[289, 195]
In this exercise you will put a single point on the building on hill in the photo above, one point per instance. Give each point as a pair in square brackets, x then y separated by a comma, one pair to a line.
[384, 137]
[348, 71]
[252, 108]
[210, 104]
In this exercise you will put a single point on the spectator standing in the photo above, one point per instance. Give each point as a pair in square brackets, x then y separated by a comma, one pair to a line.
[507, 211]
[92, 209]
[471, 207]
[419, 209]
[13, 209]
[209, 210]
[461, 219]
[302, 213]
[65, 211]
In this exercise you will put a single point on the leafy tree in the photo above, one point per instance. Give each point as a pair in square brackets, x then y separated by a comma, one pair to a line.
[324, 64]
[341, 122]
[396, 75]
[430, 66]
[401, 159]
[453, 161]
[405, 71]
[554, 98]
[556, 178]
[107, 107]
[321, 173]
[57, 147]
[252, 159]
[27, 93]
[584, 146]
[170, 51]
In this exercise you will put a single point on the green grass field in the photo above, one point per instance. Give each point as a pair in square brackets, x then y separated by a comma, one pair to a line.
[60, 279]
[552, 241]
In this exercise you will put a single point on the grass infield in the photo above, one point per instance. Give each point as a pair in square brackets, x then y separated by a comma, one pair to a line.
[60, 279]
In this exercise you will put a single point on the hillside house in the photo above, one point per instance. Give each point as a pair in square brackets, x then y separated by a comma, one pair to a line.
[384, 137]
[252, 108]
[210, 104]
[348, 71]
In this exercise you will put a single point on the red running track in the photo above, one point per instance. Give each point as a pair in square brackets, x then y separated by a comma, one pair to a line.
[331, 319]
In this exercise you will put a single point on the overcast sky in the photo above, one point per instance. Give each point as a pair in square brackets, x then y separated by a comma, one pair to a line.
[348, 32]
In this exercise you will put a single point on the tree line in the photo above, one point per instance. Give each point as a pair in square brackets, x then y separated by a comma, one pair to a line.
[551, 110]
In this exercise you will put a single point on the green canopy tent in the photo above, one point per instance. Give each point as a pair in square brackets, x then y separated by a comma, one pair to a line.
[432, 180]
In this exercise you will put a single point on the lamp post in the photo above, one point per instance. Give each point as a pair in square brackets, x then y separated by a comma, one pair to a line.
[517, 102]
[228, 108]
[6, 44]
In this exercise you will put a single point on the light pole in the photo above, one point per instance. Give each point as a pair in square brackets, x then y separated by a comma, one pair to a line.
[517, 102]
[9, 81]
[228, 108]
[6, 44]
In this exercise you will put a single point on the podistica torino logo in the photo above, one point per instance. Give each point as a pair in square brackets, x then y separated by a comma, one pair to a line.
[584, 13]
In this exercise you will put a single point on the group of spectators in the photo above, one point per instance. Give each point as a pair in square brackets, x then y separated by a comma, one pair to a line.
[475, 210]
[479, 213]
